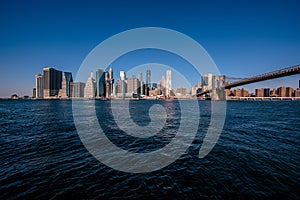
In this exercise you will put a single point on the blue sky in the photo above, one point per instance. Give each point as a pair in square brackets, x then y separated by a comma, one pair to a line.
[244, 38]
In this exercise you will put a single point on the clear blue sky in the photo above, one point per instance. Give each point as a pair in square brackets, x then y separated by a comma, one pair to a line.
[244, 38]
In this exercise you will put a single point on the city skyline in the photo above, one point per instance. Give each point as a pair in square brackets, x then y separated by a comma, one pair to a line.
[54, 83]
[243, 38]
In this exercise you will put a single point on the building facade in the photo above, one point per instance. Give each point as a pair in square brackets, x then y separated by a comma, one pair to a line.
[39, 86]
[52, 82]
[100, 83]
[90, 87]
[168, 83]
[77, 89]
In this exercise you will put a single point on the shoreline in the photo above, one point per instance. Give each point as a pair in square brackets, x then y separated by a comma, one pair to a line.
[165, 99]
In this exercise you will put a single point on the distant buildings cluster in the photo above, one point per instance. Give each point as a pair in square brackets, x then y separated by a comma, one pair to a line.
[54, 83]
[282, 91]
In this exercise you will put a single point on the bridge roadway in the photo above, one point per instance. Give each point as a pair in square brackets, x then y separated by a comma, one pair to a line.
[263, 77]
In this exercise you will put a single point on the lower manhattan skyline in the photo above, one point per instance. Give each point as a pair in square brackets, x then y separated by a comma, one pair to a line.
[152, 99]
[252, 38]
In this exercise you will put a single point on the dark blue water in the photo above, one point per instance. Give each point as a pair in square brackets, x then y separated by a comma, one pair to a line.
[257, 154]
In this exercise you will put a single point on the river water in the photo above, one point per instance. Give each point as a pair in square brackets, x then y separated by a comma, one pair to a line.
[256, 156]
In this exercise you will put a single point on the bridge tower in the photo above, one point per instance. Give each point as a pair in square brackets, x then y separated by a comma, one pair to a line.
[218, 90]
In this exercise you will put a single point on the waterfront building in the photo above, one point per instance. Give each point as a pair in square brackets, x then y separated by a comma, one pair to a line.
[168, 83]
[273, 93]
[259, 92]
[65, 91]
[141, 90]
[148, 79]
[122, 75]
[281, 91]
[132, 85]
[289, 91]
[90, 87]
[39, 85]
[266, 92]
[245, 92]
[34, 93]
[109, 82]
[77, 89]
[100, 83]
[163, 86]
[69, 79]
[52, 82]
[297, 92]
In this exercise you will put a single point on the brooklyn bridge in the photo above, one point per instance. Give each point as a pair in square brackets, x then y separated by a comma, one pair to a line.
[219, 84]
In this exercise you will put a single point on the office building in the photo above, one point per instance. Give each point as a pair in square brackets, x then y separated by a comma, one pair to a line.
[100, 83]
[273, 93]
[297, 92]
[266, 92]
[259, 92]
[289, 92]
[39, 85]
[34, 93]
[148, 78]
[122, 75]
[168, 83]
[90, 87]
[141, 87]
[281, 91]
[109, 83]
[65, 91]
[77, 89]
[133, 85]
[52, 82]
[163, 86]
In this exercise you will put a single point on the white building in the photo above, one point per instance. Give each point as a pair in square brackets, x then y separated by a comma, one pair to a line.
[168, 83]
[90, 87]
[39, 85]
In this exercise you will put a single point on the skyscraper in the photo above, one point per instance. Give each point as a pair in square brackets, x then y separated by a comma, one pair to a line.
[168, 83]
[122, 75]
[77, 89]
[52, 82]
[69, 79]
[141, 84]
[34, 93]
[123, 84]
[65, 85]
[109, 82]
[100, 83]
[39, 85]
[148, 79]
[132, 85]
[89, 89]
[163, 86]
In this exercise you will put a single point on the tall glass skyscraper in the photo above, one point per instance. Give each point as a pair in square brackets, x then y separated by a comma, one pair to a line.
[69, 79]
[100, 83]
[148, 79]
[52, 82]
